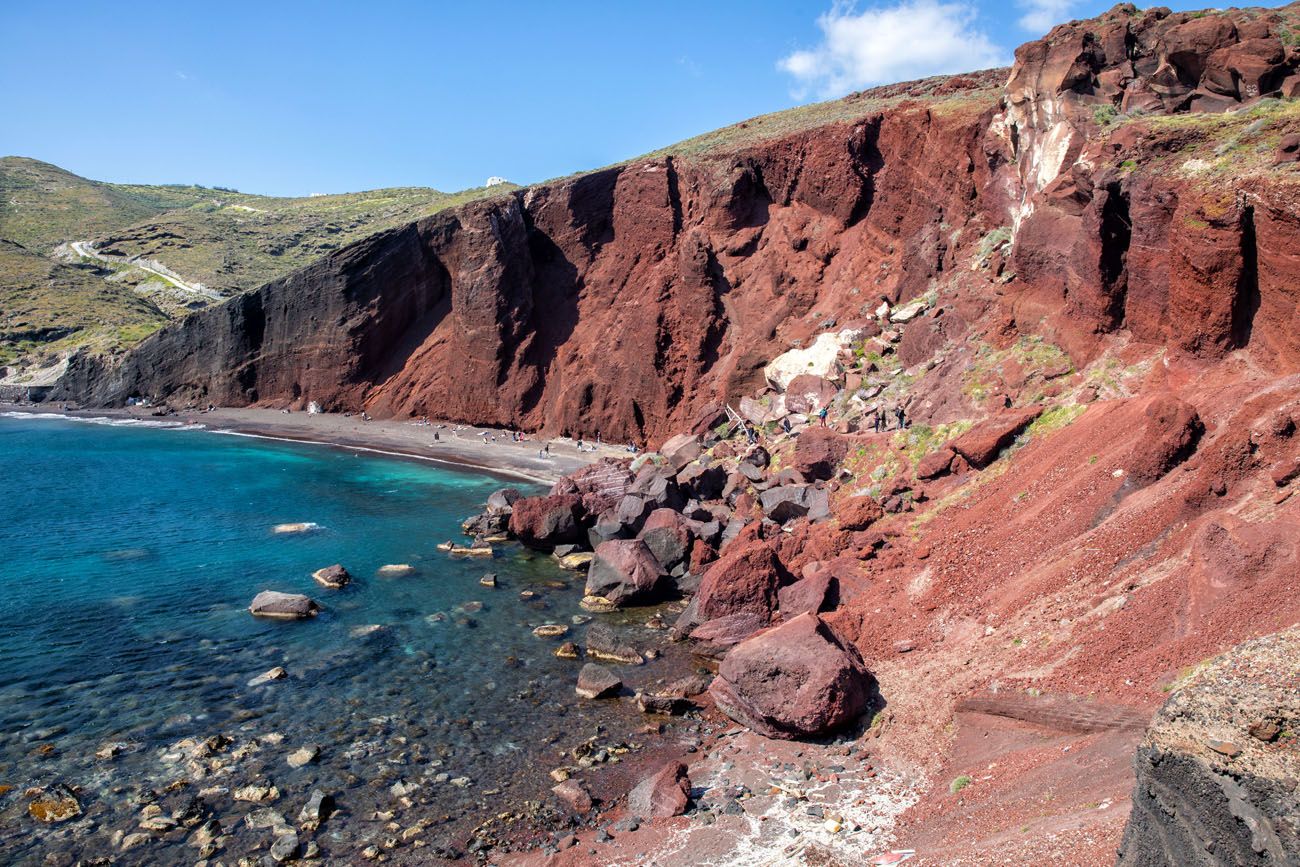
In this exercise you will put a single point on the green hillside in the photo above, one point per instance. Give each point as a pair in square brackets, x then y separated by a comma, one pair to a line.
[214, 242]
[46, 305]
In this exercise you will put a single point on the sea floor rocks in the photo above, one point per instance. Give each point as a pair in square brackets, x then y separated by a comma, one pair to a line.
[56, 804]
[283, 606]
[798, 679]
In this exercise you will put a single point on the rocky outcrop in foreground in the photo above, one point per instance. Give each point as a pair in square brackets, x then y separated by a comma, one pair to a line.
[1218, 774]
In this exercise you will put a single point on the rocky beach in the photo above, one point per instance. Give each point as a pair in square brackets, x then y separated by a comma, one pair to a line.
[908, 477]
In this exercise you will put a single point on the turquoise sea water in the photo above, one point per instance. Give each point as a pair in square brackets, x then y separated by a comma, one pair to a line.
[130, 556]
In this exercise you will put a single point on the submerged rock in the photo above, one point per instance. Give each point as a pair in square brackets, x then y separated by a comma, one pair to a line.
[283, 606]
[55, 804]
[303, 756]
[395, 570]
[299, 527]
[274, 673]
[602, 643]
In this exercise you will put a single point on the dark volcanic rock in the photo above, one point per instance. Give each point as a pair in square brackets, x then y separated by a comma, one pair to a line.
[795, 680]
[283, 606]
[632, 511]
[500, 502]
[1212, 787]
[332, 576]
[607, 526]
[625, 572]
[681, 450]
[788, 502]
[602, 643]
[597, 681]
[703, 482]
[544, 522]
[668, 537]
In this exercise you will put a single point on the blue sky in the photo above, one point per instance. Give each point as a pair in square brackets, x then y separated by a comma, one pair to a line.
[291, 98]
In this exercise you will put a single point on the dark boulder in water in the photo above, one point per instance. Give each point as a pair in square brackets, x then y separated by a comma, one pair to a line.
[332, 576]
[597, 681]
[283, 606]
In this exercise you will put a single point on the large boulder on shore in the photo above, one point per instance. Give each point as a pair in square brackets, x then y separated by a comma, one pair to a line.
[681, 450]
[743, 581]
[668, 537]
[818, 452]
[795, 680]
[625, 572]
[817, 592]
[807, 394]
[283, 606]
[597, 681]
[600, 485]
[858, 512]
[502, 501]
[544, 522]
[788, 502]
[661, 795]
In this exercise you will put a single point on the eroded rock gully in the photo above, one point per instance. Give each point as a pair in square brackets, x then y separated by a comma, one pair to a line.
[1078, 293]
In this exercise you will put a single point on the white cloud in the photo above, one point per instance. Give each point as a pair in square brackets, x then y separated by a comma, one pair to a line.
[1042, 15]
[883, 44]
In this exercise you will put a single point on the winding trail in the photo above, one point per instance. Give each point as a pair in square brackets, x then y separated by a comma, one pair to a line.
[84, 248]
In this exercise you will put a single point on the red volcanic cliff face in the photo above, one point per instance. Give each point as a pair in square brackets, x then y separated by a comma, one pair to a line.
[624, 300]
[617, 301]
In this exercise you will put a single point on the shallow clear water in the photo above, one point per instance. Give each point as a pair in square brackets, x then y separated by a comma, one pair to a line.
[130, 556]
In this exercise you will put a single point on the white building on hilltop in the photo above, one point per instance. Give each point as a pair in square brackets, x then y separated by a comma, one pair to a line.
[495, 181]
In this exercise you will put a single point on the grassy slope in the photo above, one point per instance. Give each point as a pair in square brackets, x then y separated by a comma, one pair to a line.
[42, 205]
[226, 240]
[46, 304]
[237, 242]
